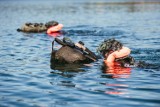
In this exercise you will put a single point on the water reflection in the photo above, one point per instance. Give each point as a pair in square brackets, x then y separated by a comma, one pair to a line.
[67, 67]
[68, 84]
[116, 72]
[56, 34]
[130, 6]
[116, 89]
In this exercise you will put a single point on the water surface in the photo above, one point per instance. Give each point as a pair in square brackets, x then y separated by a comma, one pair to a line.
[28, 80]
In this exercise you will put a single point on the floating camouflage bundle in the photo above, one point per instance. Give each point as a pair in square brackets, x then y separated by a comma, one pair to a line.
[37, 27]
[109, 45]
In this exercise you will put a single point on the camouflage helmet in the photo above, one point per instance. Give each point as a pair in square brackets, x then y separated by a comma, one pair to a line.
[51, 23]
[109, 45]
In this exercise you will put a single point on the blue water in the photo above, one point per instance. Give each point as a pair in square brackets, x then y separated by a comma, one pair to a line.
[27, 80]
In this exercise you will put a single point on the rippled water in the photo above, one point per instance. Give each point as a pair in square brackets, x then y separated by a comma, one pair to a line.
[26, 78]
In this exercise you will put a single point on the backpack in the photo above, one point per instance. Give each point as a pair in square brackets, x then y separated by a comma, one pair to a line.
[69, 53]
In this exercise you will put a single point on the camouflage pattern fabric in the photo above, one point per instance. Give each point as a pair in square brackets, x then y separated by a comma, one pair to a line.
[36, 27]
[109, 45]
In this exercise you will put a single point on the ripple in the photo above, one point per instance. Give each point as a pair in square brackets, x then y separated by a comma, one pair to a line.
[29, 79]
[93, 31]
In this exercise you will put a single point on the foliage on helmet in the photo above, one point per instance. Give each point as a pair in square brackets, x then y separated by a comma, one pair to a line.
[51, 23]
[109, 45]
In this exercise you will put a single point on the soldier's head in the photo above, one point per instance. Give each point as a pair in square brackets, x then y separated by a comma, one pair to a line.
[51, 23]
[109, 45]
